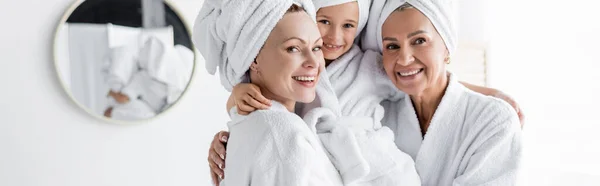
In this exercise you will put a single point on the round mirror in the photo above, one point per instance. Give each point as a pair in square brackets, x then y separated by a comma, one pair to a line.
[124, 60]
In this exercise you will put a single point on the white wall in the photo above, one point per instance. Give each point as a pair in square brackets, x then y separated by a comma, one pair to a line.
[46, 140]
[546, 53]
[472, 21]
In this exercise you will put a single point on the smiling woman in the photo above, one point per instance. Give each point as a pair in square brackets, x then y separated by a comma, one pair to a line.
[455, 136]
[289, 63]
[273, 146]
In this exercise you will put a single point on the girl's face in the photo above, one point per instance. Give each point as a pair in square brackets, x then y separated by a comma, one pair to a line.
[338, 26]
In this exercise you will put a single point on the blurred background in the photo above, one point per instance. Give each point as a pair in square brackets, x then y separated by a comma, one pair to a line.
[544, 53]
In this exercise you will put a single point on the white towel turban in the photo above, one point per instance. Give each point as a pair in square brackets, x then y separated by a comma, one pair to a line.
[440, 13]
[230, 33]
[363, 10]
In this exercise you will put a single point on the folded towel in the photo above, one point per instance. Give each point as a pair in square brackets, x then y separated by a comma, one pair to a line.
[230, 33]
[363, 10]
[440, 13]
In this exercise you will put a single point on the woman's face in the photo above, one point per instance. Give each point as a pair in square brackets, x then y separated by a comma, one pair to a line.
[289, 64]
[414, 54]
[338, 26]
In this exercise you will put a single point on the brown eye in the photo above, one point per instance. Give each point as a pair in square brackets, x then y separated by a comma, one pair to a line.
[348, 26]
[292, 49]
[419, 41]
[392, 46]
[324, 22]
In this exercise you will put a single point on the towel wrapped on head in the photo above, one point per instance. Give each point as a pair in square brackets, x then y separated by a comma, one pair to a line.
[441, 13]
[363, 10]
[230, 33]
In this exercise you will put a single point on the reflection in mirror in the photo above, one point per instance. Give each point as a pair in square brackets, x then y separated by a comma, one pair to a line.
[124, 59]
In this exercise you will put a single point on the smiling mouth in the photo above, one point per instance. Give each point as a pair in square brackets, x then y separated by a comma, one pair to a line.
[333, 47]
[409, 73]
[306, 81]
[304, 78]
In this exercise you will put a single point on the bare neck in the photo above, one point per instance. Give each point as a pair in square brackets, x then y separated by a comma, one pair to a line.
[288, 103]
[427, 102]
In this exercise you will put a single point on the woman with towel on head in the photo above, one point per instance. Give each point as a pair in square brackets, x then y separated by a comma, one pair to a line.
[456, 136]
[275, 45]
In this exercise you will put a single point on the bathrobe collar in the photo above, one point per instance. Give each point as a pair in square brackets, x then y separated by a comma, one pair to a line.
[237, 118]
[446, 107]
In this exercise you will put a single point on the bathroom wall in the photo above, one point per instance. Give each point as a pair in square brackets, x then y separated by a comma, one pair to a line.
[46, 140]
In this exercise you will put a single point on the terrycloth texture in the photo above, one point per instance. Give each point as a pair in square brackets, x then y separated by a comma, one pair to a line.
[441, 13]
[230, 33]
[360, 82]
[275, 148]
[363, 10]
[472, 139]
[361, 149]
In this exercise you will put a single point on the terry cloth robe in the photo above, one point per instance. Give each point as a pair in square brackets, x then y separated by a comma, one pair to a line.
[361, 149]
[360, 84]
[472, 139]
[275, 147]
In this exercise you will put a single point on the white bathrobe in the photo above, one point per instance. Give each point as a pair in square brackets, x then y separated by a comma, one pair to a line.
[360, 83]
[361, 149]
[472, 139]
[275, 147]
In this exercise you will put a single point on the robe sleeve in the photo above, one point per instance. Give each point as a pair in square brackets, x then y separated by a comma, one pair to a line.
[284, 162]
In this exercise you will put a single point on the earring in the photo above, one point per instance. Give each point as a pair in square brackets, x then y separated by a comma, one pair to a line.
[448, 60]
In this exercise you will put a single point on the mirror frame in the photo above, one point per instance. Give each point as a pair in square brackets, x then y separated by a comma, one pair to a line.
[101, 117]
